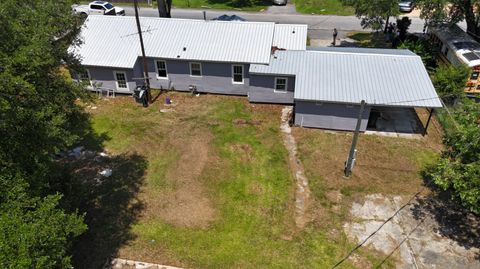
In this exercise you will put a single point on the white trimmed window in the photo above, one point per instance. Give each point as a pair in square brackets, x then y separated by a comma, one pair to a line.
[121, 80]
[195, 69]
[161, 67]
[84, 76]
[281, 84]
[237, 74]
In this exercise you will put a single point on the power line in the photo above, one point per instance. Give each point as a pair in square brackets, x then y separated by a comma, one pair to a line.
[401, 243]
[378, 229]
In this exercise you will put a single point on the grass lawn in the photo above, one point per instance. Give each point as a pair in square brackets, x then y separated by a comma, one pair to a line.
[328, 7]
[218, 192]
[370, 40]
[253, 5]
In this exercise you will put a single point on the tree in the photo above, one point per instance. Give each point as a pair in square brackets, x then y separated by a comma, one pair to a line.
[39, 118]
[452, 11]
[458, 169]
[34, 232]
[374, 14]
[450, 82]
[402, 25]
[425, 50]
[164, 8]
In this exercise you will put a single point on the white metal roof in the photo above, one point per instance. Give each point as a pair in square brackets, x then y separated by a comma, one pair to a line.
[348, 77]
[290, 36]
[112, 41]
[463, 45]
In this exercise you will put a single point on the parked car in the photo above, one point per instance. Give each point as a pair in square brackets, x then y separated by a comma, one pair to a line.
[280, 2]
[98, 8]
[406, 6]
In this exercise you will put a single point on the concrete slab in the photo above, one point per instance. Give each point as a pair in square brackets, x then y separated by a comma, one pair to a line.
[426, 247]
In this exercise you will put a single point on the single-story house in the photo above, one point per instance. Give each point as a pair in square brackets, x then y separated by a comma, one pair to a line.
[268, 62]
[213, 56]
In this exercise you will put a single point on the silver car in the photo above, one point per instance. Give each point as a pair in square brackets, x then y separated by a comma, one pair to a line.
[406, 6]
[280, 2]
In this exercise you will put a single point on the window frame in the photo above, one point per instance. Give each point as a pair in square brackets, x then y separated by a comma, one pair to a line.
[89, 77]
[166, 69]
[477, 76]
[276, 84]
[233, 74]
[201, 71]
[116, 80]
[97, 5]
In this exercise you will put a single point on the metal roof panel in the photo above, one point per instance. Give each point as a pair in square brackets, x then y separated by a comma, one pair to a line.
[379, 79]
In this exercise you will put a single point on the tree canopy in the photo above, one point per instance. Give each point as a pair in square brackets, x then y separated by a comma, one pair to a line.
[39, 118]
[374, 14]
[458, 169]
[452, 11]
[450, 81]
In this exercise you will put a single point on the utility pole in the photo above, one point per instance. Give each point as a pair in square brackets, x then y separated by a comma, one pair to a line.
[144, 59]
[353, 152]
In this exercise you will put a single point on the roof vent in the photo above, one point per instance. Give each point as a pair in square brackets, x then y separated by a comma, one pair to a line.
[293, 32]
[178, 56]
[184, 48]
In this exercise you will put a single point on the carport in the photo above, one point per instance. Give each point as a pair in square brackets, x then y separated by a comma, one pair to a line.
[330, 83]
[402, 120]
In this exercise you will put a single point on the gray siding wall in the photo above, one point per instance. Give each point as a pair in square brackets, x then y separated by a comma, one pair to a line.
[105, 76]
[216, 77]
[329, 115]
[262, 90]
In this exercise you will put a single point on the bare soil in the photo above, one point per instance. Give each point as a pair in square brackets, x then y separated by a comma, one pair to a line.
[187, 205]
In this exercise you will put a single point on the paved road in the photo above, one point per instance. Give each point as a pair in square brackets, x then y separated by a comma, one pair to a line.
[320, 26]
[314, 22]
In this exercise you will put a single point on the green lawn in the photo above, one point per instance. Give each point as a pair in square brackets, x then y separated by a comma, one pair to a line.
[244, 5]
[370, 40]
[218, 192]
[246, 177]
[327, 7]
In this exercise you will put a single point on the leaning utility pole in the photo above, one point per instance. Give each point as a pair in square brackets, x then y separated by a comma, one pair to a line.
[351, 156]
[144, 59]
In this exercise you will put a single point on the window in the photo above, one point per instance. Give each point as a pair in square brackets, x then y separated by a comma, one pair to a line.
[474, 76]
[84, 76]
[96, 7]
[446, 51]
[237, 74]
[195, 69]
[281, 84]
[121, 79]
[161, 69]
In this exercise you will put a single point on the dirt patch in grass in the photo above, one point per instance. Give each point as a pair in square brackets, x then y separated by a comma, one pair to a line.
[187, 205]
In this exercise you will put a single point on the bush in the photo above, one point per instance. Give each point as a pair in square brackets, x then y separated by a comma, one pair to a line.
[458, 170]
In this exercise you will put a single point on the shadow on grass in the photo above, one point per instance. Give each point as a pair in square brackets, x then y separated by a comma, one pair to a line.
[110, 205]
[452, 221]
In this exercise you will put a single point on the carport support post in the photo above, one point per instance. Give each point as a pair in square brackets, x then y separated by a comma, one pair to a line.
[145, 66]
[428, 121]
[351, 155]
